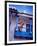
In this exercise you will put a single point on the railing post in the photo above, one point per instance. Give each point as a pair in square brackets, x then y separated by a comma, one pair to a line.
[17, 23]
[30, 25]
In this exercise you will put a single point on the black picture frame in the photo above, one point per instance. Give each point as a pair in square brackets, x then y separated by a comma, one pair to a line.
[6, 23]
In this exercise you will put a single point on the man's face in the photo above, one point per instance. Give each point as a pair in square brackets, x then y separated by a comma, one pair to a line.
[20, 22]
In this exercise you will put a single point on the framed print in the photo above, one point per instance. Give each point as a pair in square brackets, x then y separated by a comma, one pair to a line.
[20, 22]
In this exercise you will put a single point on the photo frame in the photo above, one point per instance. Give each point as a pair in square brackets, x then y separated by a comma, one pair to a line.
[20, 22]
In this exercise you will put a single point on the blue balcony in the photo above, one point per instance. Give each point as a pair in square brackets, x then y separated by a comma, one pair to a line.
[23, 35]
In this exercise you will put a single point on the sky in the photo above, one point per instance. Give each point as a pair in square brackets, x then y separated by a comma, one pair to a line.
[23, 8]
